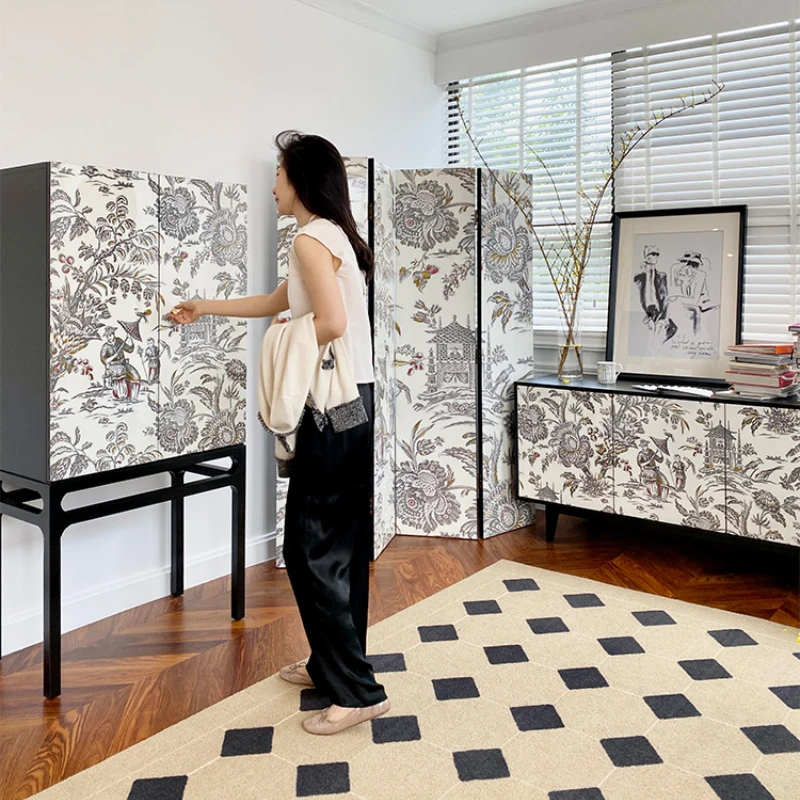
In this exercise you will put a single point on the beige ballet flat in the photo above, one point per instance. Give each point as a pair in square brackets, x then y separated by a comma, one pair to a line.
[296, 673]
[331, 721]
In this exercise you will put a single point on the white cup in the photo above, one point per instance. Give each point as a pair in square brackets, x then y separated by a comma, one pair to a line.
[608, 371]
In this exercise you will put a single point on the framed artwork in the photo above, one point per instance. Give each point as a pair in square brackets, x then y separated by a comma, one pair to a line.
[675, 295]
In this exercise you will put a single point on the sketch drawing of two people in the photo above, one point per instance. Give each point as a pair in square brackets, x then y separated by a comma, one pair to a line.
[683, 295]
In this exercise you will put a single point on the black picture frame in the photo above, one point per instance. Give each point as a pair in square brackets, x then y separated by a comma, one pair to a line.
[732, 220]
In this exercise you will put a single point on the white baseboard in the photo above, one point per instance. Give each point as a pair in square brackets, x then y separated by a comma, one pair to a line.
[82, 608]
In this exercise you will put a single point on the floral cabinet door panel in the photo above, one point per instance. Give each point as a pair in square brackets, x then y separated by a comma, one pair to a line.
[104, 312]
[201, 366]
[763, 477]
[671, 458]
[564, 447]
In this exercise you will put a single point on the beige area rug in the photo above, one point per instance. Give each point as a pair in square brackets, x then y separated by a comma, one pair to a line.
[517, 682]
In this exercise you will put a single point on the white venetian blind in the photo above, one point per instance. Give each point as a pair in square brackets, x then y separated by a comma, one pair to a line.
[743, 149]
[562, 112]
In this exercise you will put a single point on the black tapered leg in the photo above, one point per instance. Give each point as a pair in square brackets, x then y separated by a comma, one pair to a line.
[176, 578]
[551, 513]
[237, 536]
[53, 526]
[1, 579]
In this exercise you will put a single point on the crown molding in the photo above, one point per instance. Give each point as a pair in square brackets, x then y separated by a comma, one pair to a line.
[538, 21]
[367, 16]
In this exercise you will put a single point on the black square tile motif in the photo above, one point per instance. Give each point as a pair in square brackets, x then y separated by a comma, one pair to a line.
[437, 633]
[455, 688]
[671, 706]
[704, 669]
[171, 788]
[505, 654]
[312, 700]
[247, 741]
[475, 607]
[621, 645]
[630, 751]
[315, 779]
[548, 625]
[577, 794]
[654, 618]
[796, 655]
[583, 678]
[537, 718]
[583, 600]
[481, 765]
[522, 585]
[733, 637]
[395, 729]
[789, 694]
[739, 787]
[771, 739]
[388, 662]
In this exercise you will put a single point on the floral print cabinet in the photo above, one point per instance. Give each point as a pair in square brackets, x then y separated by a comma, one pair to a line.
[95, 257]
[724, 466]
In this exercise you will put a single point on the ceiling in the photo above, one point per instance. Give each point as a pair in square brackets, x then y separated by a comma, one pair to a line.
[441, 16]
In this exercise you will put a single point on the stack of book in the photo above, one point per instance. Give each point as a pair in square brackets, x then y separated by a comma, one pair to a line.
[762, 370]
[795, 331]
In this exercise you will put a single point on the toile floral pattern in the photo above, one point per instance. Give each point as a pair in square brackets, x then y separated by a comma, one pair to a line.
[117, 240]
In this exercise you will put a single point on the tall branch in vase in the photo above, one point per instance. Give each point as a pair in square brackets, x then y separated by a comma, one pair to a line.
[566, 259]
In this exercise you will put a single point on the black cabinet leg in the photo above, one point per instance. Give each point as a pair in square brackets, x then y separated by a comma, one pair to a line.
[237, 536]
[1, 578]
[52, 531]
[551, 513]
[176, 578]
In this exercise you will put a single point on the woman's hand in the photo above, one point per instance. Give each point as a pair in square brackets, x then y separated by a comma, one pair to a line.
[186, 312]
[277, 321]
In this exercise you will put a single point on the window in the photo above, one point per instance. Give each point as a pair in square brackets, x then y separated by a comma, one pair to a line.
[744, 148]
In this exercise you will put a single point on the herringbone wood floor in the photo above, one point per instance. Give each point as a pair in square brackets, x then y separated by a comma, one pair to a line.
[132, 675]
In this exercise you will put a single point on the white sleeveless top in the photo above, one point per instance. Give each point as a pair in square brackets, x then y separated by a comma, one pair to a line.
[352, 285]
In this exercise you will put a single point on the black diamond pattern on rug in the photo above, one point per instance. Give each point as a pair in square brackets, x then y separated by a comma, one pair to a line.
[577, 794]
[671, 706]
[630, 751]
[537, 718]
[789, 694]
[548, 625]
[438, 633]
[247, 742]
[583, 678]
[739, 787]
[455, 688]
[505, 654]
[475, 607]
[654, 618]
[771, 739]
[395, 729]
[522, 585]
[733, 637]
[316, 779]
[171, 788]
[621, 645]
[704, 669]
[796, 655]
[583, 600]
[388, 662]
[481, 765]
[312, 700]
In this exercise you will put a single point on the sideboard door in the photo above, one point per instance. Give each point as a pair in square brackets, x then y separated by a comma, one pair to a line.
[104, 262]
[763, 478]
[564, 447]
[201, 367]
[671, 458]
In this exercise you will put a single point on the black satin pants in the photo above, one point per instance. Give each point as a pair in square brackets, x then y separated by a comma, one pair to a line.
[327, 548]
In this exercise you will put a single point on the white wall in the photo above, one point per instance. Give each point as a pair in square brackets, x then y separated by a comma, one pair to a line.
[196, 88]
[592, 27]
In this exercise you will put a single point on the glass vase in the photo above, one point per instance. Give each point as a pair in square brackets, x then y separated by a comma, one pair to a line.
[570, 356]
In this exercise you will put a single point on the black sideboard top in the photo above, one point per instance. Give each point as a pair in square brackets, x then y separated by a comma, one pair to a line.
[588, 384]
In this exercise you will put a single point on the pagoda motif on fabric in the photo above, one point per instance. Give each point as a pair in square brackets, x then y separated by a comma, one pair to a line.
[203, 332]
[452, 358]
[723, 448]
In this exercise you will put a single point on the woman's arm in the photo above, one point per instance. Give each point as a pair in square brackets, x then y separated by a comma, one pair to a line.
[262, 305]
[319, 276]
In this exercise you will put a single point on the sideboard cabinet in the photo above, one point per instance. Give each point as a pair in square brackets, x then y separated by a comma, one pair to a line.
[718, 464]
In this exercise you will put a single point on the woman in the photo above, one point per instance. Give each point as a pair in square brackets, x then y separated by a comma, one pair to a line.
[328, 540]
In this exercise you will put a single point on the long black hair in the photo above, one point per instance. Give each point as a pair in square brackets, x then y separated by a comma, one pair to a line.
[316, 170]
